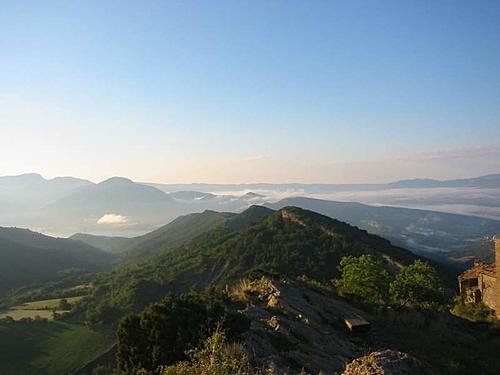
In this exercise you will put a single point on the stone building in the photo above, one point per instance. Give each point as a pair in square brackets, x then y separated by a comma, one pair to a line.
[480, 283]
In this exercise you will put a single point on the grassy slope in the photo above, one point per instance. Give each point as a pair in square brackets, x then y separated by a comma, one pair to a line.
[48, 347]
[28, 257]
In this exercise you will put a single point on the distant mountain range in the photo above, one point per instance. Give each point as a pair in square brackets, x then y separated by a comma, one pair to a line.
[114, 206]
[131, 204]
[488, 181]
[32, 190]
[123, 208]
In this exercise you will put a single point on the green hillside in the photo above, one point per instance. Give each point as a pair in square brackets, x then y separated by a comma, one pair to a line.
[27, 257]
[173, 234]
[445, 237]
[115, 245]
[291, 242]
[213, 249]
[182, 229]
[46, 348]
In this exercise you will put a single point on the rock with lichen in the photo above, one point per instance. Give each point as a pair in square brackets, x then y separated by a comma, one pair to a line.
[387, 362]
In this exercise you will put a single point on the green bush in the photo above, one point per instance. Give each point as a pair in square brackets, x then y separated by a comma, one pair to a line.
[476, 312]
[364, 277]
[165, 330]
[417, 284]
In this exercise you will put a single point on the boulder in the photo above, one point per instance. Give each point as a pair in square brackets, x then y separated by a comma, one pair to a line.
[387, 362]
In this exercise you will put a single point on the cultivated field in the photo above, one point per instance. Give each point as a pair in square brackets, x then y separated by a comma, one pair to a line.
[42, 309]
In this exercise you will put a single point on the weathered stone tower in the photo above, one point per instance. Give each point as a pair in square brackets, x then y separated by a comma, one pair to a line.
[496, 239]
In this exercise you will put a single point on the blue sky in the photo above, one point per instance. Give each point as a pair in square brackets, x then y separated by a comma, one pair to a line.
[246, 91]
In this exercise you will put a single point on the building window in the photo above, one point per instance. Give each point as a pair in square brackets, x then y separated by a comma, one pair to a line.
[472, 282]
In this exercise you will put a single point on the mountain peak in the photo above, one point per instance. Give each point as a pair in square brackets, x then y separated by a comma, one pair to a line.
[256, 208]
[69, 179]
[117, 181]
[297, 212]
[251, 194]
[251, 215]
[31, 177]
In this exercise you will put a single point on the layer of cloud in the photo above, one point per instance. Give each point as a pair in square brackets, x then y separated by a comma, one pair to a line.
[455, 153]
[114, 219]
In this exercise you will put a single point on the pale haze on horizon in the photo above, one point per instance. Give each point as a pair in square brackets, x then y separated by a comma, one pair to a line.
[237, 92]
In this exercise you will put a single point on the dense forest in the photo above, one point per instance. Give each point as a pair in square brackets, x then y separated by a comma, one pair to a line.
[290, 242]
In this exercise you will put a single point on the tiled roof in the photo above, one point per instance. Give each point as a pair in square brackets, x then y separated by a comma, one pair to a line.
[478, 269]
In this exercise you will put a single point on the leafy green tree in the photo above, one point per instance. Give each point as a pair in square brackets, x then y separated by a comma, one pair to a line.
[160, 334]
[165, 330]
[364, 277]
[419, 284]
[65, 305]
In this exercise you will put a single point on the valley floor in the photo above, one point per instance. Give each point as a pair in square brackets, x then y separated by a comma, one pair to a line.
[42, 348]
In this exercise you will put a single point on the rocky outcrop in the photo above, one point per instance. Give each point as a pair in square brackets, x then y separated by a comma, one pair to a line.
[387, 362]
[296, 326]
[299, 328]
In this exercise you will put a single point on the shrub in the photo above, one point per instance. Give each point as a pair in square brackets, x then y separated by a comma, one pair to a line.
[241, 291]
[417, 284]
[364, 277]
[475, 312]
[214, 357]
[165, 330]
[64, 305]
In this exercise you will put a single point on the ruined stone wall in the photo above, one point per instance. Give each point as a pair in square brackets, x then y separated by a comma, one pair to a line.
[496, 239]
[488, 290]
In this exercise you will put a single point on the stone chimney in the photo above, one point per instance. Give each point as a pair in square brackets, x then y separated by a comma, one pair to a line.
[496, 239]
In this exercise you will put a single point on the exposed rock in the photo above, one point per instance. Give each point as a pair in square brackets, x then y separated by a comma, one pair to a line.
[274, 323]
[387, 362]
[296, 326]
[273, 302]
[299, 327]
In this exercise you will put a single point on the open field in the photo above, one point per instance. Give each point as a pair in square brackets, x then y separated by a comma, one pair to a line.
[47, 304]
[43, 309]
[18, 314]
[44, 348]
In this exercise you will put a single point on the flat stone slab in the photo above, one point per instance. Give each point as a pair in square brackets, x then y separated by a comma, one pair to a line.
[357, 324]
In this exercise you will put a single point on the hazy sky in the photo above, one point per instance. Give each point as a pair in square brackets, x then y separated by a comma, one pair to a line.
[247, 91]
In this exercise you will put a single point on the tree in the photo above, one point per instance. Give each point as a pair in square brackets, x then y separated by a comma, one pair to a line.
[165, 330]
[364, 277]
[64, 305]
[160, 334]
[419, 284]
